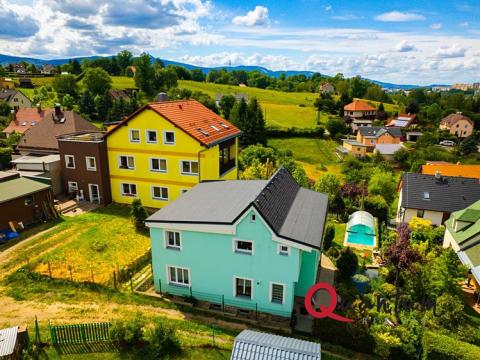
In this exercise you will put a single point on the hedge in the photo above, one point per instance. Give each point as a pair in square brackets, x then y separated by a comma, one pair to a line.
[442, 347]
[295, 132]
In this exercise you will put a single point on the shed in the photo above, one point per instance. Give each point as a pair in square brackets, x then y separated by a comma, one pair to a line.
[360, 229]
[250, 345]
[9, 345]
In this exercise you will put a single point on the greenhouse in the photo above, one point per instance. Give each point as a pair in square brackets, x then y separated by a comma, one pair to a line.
[360, 229]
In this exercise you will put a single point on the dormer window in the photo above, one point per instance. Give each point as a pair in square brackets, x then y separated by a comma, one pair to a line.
[426, 195]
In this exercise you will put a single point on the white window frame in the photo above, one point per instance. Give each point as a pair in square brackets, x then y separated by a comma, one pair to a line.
[240, 251]
[159, 159]
[120, 162]
[165, 137]
[271, 293]
[130, 188]
[176, 283]
[189, 173]
[131, 138]
[89, 168]
[280, 252]
[72, 188]
[66, 161]
[147, 137]
[165, 239]
[235, 278]
[159, 198]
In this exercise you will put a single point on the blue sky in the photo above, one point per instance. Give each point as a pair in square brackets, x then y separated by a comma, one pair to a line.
[417, 42]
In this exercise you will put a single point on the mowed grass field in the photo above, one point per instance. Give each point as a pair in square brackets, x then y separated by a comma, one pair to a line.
[98, 242]
[316, 155]
[281, 109]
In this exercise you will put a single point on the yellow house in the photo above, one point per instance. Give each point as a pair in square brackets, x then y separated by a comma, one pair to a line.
[354, 148]
[164, 149]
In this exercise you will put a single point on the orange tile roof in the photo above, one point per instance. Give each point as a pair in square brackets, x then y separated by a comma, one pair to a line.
[469, 171]
[193, 118]
[25, 118]
[358, 105]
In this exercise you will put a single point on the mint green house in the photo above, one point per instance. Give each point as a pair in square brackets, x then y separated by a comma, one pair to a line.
[249, 245]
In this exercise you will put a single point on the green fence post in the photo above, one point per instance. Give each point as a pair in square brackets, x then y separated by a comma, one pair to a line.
[213, 334]
[160, 286]
[256, 311]
[223, 303]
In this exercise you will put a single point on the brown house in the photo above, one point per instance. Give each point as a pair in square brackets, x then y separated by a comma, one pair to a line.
[23, 200]
[84, 161]
[457, 124]
[42, 138]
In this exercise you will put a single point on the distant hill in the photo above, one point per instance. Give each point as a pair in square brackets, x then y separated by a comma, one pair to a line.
[7, 59]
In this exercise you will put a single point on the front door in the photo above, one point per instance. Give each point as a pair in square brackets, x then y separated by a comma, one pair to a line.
[94, 193]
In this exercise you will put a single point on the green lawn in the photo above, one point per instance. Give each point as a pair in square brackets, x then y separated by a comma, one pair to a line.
[316, 155]
[123, 82]
[282, 109]
[95, 242]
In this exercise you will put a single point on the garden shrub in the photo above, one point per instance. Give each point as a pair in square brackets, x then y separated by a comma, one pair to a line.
[128, 334]
[443, 347]
[163, 341]
[328, 237]
[333, 253]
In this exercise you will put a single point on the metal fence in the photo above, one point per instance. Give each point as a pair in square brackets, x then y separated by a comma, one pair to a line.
[79, 333]
[223, 302]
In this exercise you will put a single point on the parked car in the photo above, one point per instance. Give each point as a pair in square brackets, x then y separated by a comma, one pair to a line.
[447, 143]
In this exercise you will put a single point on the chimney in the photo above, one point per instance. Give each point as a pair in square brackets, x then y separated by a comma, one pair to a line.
[162, 97]
[438, 175]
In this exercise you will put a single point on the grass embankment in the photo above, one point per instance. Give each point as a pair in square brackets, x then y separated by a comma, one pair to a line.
[282, 109]
[317, 156]
[98, 242]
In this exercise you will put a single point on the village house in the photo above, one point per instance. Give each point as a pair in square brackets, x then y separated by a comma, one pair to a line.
[449, 169]
[41, 138]
[359, 109]
[163, 149]
[353, 147]
[265, 236]
[117, 94]
[84, 163]
[23, 200]
[6, 83]
[25, 118]
[462, 234]
[371, 136]
[18, 68]
[457, 124]
[434, 197]
[47, 69]
[403, 121]
[16, 99]
[25, 83]
[43, 168]
[326, 89]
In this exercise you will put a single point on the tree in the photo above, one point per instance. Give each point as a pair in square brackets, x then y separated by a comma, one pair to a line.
[145, 74]
[383, 183]
[65, 84]
[329, 184]
[377, 206]
[256, 152]
[102, 106]
[347, 264]
[412, 108]
[336, 127]
[165, 78]
[75, 67]
[249, 119]
[97, 81]
[198, 75]
[138, 213]
[68, 101]
[434, 112]
[226, 104]
[328, 236]
[468, 145]
[124, 59]
[400, 255]
[4, 108]
[87, 103]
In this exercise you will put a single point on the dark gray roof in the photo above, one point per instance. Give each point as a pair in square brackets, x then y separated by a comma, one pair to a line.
[8, 340]
[254, 345]
[446, 194]
[292, 212]
[379, 130]
[6, 94]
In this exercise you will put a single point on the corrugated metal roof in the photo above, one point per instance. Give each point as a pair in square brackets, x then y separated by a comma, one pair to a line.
[254, 345]
[8, 339]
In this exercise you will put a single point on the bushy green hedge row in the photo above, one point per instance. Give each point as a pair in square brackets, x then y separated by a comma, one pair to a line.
[295, 132]
[442, 347]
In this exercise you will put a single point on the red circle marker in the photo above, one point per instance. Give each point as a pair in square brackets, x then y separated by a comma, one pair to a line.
[324, 310]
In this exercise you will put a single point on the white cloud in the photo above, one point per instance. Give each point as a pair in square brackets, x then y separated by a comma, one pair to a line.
[398, 16]
[449, 52]
[464, 24]
[405, 46]
[273, 62]
[256, 17]
[346, 17]
[328, 7]
[436, 26]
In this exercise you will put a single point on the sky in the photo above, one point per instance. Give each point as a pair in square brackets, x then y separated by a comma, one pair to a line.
[404, 42]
